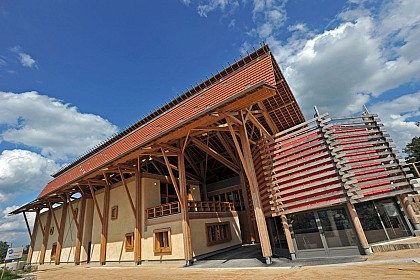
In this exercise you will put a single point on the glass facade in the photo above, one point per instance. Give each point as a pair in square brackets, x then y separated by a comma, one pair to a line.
[381, 220]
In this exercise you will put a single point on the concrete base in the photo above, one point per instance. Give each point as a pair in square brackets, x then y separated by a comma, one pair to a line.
[268, 260]
[367, 251]
[417, 226]
[293, 256]
[189, 262]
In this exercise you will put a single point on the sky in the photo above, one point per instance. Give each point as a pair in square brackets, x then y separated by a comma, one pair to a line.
[73, 73]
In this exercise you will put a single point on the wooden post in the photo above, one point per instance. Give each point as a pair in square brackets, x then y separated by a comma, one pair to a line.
[104, 234]
[61, 233]
[416, 169]
[358, 227]
[46, 234]
[33, 238]
[184, 208]
[289, 240]
[137, 230]
[81, 222]
[247, 208]
[248, 165]
[408, 209]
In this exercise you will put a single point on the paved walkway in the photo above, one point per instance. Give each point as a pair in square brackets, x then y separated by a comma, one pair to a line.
[250, 256]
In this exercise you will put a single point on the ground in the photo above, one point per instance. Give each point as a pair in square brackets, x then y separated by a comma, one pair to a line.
[404, 264]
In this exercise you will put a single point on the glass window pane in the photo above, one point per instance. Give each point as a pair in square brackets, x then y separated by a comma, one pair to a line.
[337, 228]
[392, 219]
[370, 222]
[306, 231]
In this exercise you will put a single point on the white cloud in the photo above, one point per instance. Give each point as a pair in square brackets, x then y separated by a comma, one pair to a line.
[13, 228]
[57, 129]
[395, 114]
[25, 59]
[367, 53]
[206, 7]
[23, 172]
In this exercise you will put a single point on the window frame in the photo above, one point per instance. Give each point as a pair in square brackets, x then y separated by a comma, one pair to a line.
[129, 246]
[228, 234]
[156, 242]
[116, 212]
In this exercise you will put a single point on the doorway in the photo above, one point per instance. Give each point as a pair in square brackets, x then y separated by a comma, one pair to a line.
[323, 233]
[382, 220]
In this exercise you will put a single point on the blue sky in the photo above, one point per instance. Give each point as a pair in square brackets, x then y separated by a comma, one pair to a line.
[72, 73]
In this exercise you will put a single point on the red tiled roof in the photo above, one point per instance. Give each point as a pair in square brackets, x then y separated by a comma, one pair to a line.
[249, 74]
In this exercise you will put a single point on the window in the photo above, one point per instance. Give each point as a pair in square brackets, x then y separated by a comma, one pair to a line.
[218, 233]
[167, 193]
[51, 230]
[53, 251]
[162, 240]
[114, 213]
[129, 241]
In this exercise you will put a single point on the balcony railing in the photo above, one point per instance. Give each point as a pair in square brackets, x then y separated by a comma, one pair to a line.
[163, 210]
[210, 206]
[193, 206]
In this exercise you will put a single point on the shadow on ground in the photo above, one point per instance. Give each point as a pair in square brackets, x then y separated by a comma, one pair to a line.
[250, 256]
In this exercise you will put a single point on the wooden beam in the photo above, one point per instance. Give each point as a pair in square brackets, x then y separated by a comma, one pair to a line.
[215, 155]
[45, 238]
[33, 237]
[54, 216]
[267, 118]
[81, 222]
[245, 155]
[73, 212]
[138, 226]
[288, 235]
[27, 224]
[130, 200]
[105, 219]
[95, 201]
[260, 126]
[176, 168]
[227, 147]
[192, 163]
[61, 232]
[184, 210]
[358, 228]
[247, 206]
[171, 174]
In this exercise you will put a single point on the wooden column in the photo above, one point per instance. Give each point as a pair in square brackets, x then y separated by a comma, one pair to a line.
[247, 208]
[61, 232]
[359, 230]
[408, 209]
[289, 240]
[249, 169]
[33, 238]
[80, 225]
[46, 234]
[184, 208]
[137, 230]
[105, 218]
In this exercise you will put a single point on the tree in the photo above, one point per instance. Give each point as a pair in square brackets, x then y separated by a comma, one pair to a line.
[3, 250]
[413, 150]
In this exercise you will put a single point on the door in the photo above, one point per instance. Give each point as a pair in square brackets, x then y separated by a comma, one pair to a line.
[382, 220]
[323, 233]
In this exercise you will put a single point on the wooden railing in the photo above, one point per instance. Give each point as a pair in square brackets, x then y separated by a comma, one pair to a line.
[210, 206]
[163, 210]
[193, 206]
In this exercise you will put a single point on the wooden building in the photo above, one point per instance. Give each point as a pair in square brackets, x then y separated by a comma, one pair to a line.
[229, 162]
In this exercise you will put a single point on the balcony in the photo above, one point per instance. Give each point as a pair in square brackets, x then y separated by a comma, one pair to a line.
[193, 206]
